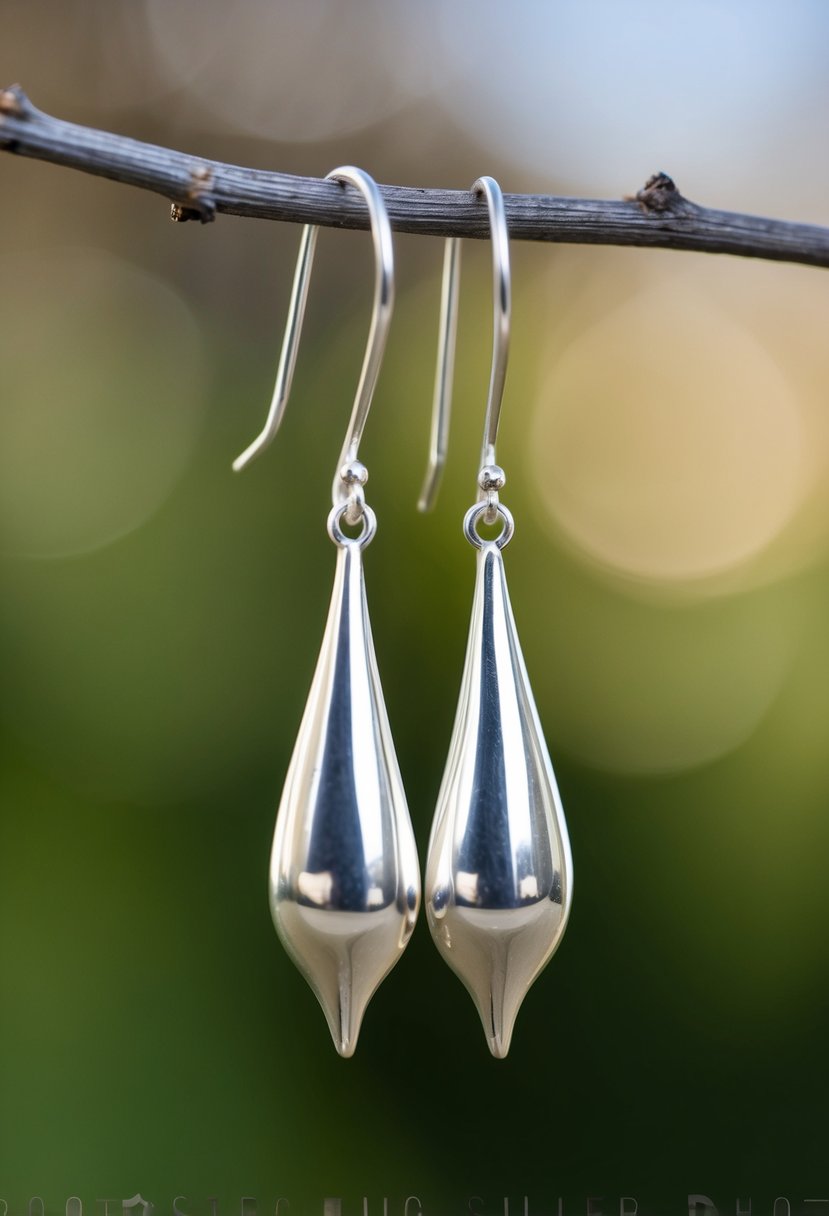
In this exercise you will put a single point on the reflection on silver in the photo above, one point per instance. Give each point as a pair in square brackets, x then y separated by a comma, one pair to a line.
[499, 876]
[345, 880]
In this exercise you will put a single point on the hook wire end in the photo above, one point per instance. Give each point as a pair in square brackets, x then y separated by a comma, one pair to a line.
[259, 444]
[444, 373]
[431, 485]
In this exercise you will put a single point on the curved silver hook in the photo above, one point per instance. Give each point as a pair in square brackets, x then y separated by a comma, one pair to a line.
[378, 332]
[502, 307]
[444, 373]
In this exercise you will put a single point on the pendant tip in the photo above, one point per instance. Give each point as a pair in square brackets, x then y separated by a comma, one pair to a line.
[498, 1018]
[499, 1038]
[345, 1019]
[345, 1039]
[498, 1047]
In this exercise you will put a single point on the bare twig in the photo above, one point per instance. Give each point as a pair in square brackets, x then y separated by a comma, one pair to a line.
[658, 216]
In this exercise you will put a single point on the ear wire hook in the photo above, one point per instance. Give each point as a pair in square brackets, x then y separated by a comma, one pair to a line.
[444, 373]
[350, 475]
[490, 478]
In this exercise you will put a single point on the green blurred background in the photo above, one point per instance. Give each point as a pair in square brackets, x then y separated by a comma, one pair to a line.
[666, 437]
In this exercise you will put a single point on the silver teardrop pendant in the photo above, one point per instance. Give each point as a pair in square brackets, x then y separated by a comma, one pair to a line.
[499, 875]
[345, 880]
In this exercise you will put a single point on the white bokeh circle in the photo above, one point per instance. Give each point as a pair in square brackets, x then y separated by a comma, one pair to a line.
[667, 443]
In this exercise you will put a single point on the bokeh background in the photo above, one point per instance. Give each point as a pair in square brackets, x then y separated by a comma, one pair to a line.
[666, 437]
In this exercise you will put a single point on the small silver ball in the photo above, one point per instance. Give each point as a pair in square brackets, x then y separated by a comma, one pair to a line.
[492, 477]
[354, 474]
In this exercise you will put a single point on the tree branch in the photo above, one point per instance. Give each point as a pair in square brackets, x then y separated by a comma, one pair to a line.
[659, 216]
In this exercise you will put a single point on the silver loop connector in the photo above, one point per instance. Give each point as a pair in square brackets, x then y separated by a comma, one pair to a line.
[491, 479]
[353, 477]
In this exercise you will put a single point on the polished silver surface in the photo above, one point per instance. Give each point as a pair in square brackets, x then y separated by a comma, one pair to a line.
[345, 879]
[501, 313]
[491, 477]
[378, 330]
[489, 189]
[499, 875]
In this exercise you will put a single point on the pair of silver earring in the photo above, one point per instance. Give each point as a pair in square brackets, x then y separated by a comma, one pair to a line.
[344, 877]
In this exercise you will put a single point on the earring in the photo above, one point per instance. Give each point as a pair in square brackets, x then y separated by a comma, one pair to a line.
[499, 874]
[344, 876]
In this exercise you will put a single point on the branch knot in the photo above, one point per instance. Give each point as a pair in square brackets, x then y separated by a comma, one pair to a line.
[660, 193]
[12, 102]
[200, 205]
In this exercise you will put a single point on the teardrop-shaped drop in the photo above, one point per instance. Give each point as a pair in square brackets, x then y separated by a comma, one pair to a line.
[344, 880]
[499, 875]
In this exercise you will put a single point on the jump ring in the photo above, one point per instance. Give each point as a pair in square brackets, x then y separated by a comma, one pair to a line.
[474, 514]
[366, 536]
